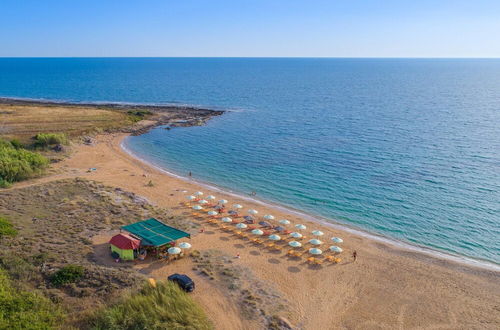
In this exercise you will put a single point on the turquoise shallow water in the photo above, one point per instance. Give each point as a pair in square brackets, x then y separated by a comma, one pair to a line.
[406, 148]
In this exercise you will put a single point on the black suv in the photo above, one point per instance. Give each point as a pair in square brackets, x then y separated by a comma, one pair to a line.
[183, 281]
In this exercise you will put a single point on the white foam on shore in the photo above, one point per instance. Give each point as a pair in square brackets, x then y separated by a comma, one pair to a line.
[327, 222]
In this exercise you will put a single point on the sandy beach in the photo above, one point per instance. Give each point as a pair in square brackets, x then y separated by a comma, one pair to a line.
[388, 287]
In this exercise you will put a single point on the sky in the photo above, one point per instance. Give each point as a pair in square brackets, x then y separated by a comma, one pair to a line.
[250, 28]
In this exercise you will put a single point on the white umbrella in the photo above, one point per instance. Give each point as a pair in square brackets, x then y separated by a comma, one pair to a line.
[227, 219]
[203, 201]
[315, 241]
[337, 239]
[210, 197]
[174, 250]
[212, 213]
[185, 245]
[197, 207]
[252, 211]
[191, 198]
[284, 222]
[296, 235]
[223, 201]
[269, 217]
[237, 206]
[198, 193]
[317, 233]
[335, 249]
[315, 251]
[257, 232]
[301, 227]
[241, 226]
[294, 244]
[274, 237]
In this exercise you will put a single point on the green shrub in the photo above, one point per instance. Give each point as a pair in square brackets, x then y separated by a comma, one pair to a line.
[19, 164]
[25, 310]
[67, 274]
[137, 115]
[43, 140]
[6, 228]
[16, 144]
[163, 307]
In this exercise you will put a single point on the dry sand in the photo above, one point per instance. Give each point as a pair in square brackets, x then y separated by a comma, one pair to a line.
[388, 287]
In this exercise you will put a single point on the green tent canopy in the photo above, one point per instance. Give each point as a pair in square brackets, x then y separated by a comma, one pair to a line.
[155, 233]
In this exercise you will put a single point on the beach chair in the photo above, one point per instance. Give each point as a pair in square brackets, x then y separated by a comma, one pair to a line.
[290, 253]
[270, 245]
[311, 260]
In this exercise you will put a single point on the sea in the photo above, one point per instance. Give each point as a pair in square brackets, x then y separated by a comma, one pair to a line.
[404, 149]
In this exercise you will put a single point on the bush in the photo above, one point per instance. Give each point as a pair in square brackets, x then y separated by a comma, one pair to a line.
[163, 307]
[16, 144]
[25, 310]
[43, 140]
[137, 115]
[67, 274]
[19, 164]
[6, 228]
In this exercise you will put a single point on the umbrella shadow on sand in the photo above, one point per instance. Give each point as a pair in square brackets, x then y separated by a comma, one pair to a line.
[255, 253]
[273, 261]
[294, 269]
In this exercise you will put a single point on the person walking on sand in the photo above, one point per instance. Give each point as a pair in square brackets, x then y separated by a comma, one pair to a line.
[354, 255]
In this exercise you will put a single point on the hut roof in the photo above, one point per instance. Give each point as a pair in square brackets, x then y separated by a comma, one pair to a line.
[155, 233]
[125, 242]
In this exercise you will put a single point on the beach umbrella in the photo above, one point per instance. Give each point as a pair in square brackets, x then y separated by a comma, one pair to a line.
[197, 207]
[257, 232]
[185, 245]
[198, 193]
[301, 227]
[317, 233]
[174, 250]
[279, 228]
[210, 197]
[223, 201]
[227, 219]
[296, 235]
[265, 224]
[295, 244]
[212, 213]
[337, 240]
[284, 222]
[315, 241]
[237, 206]
[252, 211]
[191, 198]
[335, 249]
[241, 226]
[269, 217]
[315, 251]
[203, 201]
[274, 237]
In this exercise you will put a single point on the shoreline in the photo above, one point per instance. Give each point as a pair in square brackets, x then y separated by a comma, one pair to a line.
[327, 222]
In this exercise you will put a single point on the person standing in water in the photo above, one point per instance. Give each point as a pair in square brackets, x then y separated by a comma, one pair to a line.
[190, 174]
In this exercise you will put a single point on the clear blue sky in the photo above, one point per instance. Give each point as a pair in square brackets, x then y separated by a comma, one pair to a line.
[335, 28]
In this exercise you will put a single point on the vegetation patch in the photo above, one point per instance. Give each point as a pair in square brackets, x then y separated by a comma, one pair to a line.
[6, 228]
[44, 140]
[21, 309]
[18, 164]
[165, 306]
[67, 274]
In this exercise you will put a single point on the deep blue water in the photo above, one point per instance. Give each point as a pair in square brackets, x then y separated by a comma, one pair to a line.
[407, 148]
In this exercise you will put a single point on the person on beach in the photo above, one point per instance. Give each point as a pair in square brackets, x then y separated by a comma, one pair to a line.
[354, 255]
[190, 174]
[253, 193]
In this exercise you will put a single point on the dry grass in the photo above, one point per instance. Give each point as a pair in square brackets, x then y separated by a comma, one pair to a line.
[25, 121]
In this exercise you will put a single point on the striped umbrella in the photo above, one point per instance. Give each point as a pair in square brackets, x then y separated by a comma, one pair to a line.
[295, 244]
[185, 245]
[301, 227]
[210, 197]
[257, 232]
[198, 193]
[284, 222]
[237, 206]
[317, 233]
[212, 213]
[274, 237]
[315, 241]
[191, 198]
[337, 240]
[252, 211]
[269, 217]
[336, 249]
[223, 201]
[174, 250]
[227, 219]
[203, 201]
[296, 235]
[241, 226]
[197, 207]
[315, 251]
